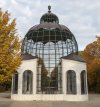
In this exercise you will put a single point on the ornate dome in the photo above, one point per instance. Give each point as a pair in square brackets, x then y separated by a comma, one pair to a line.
[49, 30]
[48, 38]
[49, 17]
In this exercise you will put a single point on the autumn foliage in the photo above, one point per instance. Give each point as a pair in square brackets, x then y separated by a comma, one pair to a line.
[92, 56]
[9, 48]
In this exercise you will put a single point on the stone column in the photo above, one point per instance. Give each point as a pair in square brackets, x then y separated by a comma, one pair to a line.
[86, 82]
[20, 83]
[12, 85]
[78, 83]
[63, 78]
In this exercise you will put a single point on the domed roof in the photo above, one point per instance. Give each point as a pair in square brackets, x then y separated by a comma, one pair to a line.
[50, 26]
[50, 30]
[49, 21]
[49, 17]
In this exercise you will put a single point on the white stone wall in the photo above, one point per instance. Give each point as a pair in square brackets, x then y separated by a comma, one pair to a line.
[66, 65]
[78, 67]
[26, 65]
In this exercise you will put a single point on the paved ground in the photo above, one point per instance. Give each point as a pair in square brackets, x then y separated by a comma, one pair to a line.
[94, 101]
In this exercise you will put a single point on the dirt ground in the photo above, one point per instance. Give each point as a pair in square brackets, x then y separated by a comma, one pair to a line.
[5, 101]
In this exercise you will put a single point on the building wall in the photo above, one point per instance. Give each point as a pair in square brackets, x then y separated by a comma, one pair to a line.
[78, 67]
[66, 65]
[26, 65]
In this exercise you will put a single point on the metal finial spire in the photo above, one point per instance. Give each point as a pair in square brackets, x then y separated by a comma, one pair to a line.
[49, 9]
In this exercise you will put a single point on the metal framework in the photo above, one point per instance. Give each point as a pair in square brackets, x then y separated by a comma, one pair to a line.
[49, 41]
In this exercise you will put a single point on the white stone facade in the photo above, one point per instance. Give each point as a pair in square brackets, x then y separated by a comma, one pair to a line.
[78, 67]
[26, 65]
[66, 64]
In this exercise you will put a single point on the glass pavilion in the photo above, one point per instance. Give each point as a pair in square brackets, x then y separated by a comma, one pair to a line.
[54, 46]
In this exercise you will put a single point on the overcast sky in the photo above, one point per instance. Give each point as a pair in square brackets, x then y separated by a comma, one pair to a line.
[82, 17]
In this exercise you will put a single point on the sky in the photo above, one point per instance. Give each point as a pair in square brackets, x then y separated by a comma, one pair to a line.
[82, 17]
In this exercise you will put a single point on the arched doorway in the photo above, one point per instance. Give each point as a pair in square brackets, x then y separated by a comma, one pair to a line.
[71, 82]
[27, 82]
[83, 82]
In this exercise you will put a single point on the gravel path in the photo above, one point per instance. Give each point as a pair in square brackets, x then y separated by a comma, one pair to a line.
[94, 101]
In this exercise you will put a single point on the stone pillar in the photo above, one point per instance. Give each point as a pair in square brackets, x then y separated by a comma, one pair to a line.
[63, 78]
[20, 78]
[78, 83]
[12, 86]
[86, 83]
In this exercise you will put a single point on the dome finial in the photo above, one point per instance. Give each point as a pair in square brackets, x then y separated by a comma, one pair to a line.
[49, 9]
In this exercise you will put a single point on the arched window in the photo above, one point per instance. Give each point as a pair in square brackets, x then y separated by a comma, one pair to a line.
[27, 82]
[15, 83]
[83, 82]
[71, 82]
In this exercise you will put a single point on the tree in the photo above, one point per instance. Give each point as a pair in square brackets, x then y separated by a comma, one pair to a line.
[92, 56]
[44, 72]
[9, 48]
